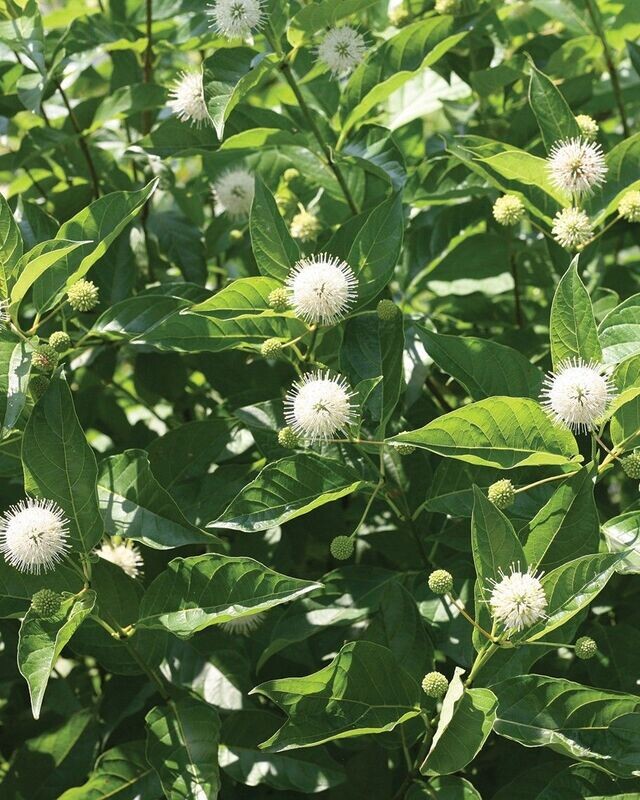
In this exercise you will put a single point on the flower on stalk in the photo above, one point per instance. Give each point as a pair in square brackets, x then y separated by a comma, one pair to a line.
[322, 288]
[46, 603]
[572, 228]
[234, 191]
[342, 49]
[502, 494]
[440, 581]
[629, 206]
[236, 19]
[435, 684]
[518, 599]
[83, 295]
[33, 535]
[631, 465]
[318, 406]
[278, 299]
[60, 341]
[577, 394]
[508, 209]
[588, 126]
[288, 438]
[576, 166]
[45, 358]
[186, 99]
[585, 648]
[243, 626]
[341, 547]
[123, 555]
[305, 226]
[271, 348]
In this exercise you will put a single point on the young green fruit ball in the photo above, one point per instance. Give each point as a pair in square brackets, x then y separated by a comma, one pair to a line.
[279, 300]
[440, 581]
[502, 494]
[631, 465]
[60, 341]
[38, 386]
[83, 295]
[271, 348]
[586, 648]
[387, 310]
[288, 438]
[46, 602]
[434, 684]
[44, 358]
[342, 548]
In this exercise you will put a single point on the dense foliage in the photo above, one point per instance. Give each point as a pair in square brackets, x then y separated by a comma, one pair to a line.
[320, 394]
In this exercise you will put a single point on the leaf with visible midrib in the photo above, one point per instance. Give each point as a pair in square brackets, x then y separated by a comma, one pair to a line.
[10, 246]
[59, 464]
[551, 109]
[41, 641]
[182, 747]
[274, 249]
[573, 330]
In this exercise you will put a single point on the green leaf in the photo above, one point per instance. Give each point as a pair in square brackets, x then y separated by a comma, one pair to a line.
[363, 690]
[15, 368]
[323, 14]
[242, 296]
[306, 771]
[59, 464]
[287, 489]
[620, 331]
[573, 331]
[483, 367]
[566, 527]
[135, 506]
[182, 747]
[135, 316]
[193, 593]
[273, 247]
[42, 639]
[10, 247]
[446, 787]
[554, 116]
[600, 728]
[502, 432]
[17, 588]
[622, 535]
[625, 420]
[121, 773]
[395, 61]
[465, 722]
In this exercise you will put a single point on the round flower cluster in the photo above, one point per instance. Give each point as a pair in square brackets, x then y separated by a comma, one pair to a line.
[440, 581]
[318, 406]
[45, 603]
[288, 438]
[186, 99]
[629, 206]
[588, 126]
[83, 295]
[631, 465]
[44, 358]
[38, 385]
[305, 226]
[123, 555]
[403, 449]
[508, 209]
[577, 166]
[502, 494]
[387, 310]
[234, 190]
[278, 300]
[585, 648]
[341, 548]
[518, 599]
[33, 535]
[322, 288]
[236, 19]
[271, 348]
[342, 49]
[435, 684]
[572, 228]
[577, 394]
[60, 341]
[447, 6]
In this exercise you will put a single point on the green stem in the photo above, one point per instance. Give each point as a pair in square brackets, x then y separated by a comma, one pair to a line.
[481, 659]
[468, 617]
[415, 772]
[84, 147]
[540, 482]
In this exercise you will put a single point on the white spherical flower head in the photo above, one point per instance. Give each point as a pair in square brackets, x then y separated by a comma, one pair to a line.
[243, 626]
[234, 190]
[576, 166]
[518, 599]
[577, 394]
[322, 288]
[236, 19]
[125, 556]
[572, 228]
[318, 406]
[342, 49]
[33, 535]
[187, 99]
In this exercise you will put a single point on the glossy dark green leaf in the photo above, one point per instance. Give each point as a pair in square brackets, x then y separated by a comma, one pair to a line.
[555, 120]
[273, 247]
[573, 328]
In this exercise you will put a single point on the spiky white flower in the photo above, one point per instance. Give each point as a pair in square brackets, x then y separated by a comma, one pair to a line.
[33, 535]
[187, 99]
[243, 626]
[577, 394]
[572, 228]
[518, 599]
[322, 288]
[319, 405]
[236, 19]
[576, 166]
[342, 49]
[125, 556]
[234, 190]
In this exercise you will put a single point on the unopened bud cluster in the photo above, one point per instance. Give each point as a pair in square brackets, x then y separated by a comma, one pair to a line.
[342, 548]
[435, 684]
[502, 494]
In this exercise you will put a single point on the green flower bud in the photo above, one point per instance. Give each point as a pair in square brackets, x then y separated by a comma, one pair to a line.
[387, 310]
[508, 209]
[83, 295]
[629, 206]
[447, 6]
[631, 465]
[46, 602]
[235, 235]
[271, 348]
[279, 300]
[588, 126]
[502, 494]
[44, 358]
[60, 341]
[290, 174]
[342, 548]
[305, 226]
[38, 386]
[403, 449]
[288, 438]
[440, 581]
[434, 684]
[586, 648]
